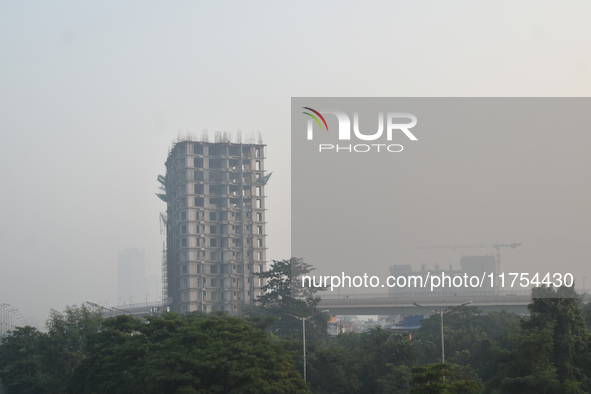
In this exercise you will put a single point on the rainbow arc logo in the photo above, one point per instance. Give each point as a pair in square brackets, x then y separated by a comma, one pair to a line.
[315, 118]
[388, 124]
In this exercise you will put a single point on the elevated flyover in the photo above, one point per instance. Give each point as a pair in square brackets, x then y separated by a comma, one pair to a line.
[403, 303]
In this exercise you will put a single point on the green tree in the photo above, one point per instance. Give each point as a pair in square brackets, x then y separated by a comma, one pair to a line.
[195, 353]
[37, 362]
[334, 369]
[114, 355]
[558, 310]
[528, 366]
[20, 362]
[438, 379]
[396, 380]
[381, 348]
[285, 300]
[586, 311]
[473, 340]
[62, 349]
[550, 353]
[362, 363]
[283, 285]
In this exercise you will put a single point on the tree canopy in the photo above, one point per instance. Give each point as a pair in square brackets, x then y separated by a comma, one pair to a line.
[81, 352]
[194, 353]
[285, 300]
[36, 362]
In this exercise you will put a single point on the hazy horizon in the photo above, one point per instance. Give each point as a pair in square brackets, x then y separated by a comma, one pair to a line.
[94, 95]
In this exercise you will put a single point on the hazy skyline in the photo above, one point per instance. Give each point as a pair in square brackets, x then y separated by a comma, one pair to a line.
[482, 171]
[93, 95]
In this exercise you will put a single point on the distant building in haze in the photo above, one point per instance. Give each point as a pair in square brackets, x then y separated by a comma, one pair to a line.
[132, 285]
[470, 265]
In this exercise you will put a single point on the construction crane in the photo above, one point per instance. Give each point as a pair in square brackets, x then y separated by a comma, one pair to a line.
[497, 247]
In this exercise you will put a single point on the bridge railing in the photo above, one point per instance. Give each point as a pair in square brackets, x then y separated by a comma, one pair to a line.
[423, 294]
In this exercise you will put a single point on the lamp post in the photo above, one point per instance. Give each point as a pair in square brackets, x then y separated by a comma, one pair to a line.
[303, 319]
[147, 299]
[11, 314]
[3, 324]
[441, 312]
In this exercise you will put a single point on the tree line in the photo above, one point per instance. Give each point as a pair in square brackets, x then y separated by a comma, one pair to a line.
[261, 351]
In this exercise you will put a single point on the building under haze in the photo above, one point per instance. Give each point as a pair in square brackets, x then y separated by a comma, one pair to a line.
[470, 265]
[131, 276]
[215, 225]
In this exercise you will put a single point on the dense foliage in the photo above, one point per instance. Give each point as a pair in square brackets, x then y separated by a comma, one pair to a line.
[261, 352]
[194, 353]
[283, 301]
[38, 362]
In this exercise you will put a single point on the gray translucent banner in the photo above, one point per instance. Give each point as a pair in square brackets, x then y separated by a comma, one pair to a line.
[440, 200]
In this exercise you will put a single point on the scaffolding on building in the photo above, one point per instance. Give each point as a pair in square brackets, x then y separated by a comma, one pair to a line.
[163, 231]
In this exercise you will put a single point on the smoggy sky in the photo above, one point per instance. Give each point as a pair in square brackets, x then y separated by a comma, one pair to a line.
[93, 95]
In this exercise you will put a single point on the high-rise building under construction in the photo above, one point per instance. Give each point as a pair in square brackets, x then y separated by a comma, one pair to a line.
[215, 225]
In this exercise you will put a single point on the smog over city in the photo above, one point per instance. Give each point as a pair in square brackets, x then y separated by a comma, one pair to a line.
[94, 96]
[411, 145]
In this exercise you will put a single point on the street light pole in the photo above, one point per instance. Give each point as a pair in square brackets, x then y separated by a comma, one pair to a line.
[2, 321]
[442, 342]
[304, 343]
[303, 319]
[441, 312]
